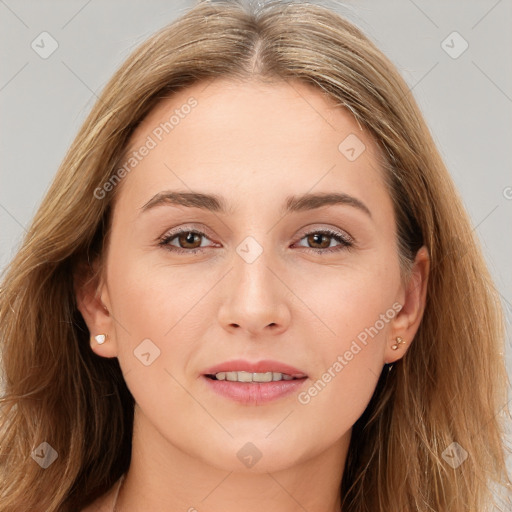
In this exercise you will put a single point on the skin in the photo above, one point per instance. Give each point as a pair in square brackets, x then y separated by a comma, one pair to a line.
[255, 144]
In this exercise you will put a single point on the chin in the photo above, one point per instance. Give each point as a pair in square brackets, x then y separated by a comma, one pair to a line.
[257, 454]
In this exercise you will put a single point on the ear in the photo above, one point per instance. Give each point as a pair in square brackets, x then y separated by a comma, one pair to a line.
[93, 302]
[412, 297]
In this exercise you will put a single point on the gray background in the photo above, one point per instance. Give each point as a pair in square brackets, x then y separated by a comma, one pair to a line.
[467, 101]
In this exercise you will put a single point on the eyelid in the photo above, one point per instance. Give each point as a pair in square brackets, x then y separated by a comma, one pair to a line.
[327, 229]
[192, 228]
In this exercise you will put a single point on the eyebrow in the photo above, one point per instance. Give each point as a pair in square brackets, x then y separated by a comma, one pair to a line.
[217, 204]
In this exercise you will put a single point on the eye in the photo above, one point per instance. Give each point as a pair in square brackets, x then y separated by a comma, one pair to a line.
[187, 240]
[322, 241]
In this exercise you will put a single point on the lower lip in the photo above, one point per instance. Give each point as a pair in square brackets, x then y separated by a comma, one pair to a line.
[254, 393]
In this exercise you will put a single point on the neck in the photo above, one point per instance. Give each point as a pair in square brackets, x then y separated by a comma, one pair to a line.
[163, 477]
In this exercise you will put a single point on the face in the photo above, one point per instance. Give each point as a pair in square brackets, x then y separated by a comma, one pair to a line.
[290, 268]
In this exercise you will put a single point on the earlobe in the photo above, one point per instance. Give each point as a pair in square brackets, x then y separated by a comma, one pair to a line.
[109, 350]
[89, 292]
[407, 321]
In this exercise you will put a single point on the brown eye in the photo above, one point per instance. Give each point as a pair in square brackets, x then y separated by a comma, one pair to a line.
[188, 240]
[320, 241]
[184, 241]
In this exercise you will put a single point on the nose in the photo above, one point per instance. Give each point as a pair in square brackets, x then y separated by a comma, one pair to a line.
[255, 298]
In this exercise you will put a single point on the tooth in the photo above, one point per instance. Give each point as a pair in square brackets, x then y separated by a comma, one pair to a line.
[244, 377]
[262, 377]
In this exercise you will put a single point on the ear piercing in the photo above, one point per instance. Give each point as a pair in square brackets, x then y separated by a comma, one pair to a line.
[100, 338]
[399, 340]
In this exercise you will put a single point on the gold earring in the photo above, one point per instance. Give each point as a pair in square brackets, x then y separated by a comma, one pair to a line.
[100, 338]
[399, 340]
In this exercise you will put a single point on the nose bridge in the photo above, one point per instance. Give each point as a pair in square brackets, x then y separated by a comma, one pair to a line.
[256, 298]
[253, 279]
[251, 271]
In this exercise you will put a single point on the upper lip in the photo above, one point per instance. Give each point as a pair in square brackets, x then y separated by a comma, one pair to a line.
[241, 365]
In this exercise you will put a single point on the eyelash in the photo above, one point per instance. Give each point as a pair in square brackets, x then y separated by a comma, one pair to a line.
[345, 241]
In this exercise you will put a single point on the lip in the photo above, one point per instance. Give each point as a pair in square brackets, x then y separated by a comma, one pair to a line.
[254, 393]
[242, 365]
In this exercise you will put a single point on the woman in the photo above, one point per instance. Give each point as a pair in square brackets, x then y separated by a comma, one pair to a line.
[252, 284]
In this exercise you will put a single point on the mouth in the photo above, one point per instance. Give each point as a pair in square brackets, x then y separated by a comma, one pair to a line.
[254, 383]
[241, 376]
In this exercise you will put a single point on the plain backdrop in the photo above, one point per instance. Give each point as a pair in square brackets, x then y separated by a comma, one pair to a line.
[454, 55]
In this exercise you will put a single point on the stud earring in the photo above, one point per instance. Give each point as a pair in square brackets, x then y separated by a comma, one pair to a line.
[399, 340]
[100, 338]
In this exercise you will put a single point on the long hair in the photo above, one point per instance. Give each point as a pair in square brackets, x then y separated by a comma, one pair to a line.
[65, 405]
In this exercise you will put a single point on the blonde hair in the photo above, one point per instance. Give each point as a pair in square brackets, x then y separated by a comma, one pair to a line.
[449, 387]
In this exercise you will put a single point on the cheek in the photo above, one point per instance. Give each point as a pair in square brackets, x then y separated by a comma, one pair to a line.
[168, 305]
[348, 302]
[157, 330]
[334, 401]
[355, 313]
[347, 366]
[150, 295]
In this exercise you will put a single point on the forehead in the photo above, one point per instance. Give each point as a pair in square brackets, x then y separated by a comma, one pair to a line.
[242, 136]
